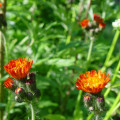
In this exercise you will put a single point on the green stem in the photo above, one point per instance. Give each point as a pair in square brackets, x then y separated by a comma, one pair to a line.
[113, 79]
[109, 113]
[32, 112]
[76, 115]
[90, 50]
[111, 50]
[1, 73]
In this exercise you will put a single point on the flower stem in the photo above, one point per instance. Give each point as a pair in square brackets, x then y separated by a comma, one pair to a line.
[113, 79]
[90, 49]
[111, 50]
[1, 73]
[112, 109]
[32, 112]
[76, 112]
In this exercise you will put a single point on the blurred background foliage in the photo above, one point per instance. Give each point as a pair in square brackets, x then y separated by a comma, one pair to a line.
[49, 32]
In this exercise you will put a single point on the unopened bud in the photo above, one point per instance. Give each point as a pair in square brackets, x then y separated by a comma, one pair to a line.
[29, 96]
[87, 97]
[87, 100]
[31, 75]
[37, 93]
[31, 82]
[20, 91]
[100, 103]
[18, 99]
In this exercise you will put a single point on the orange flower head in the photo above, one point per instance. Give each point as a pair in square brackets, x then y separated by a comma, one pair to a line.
[8, 83]
[92, 82]
[84, 23]
[97, 18]
[102, 25]
[0, 4]
[18, 68]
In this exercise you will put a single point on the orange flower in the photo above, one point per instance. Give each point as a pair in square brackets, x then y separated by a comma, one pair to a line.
[18, 69]
[0, 4]
[92, 82]
[8, 83]
[84, 23]
[97, 18]
[102, 25]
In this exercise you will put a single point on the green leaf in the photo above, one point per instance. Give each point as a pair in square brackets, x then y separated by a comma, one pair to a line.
[55, 117]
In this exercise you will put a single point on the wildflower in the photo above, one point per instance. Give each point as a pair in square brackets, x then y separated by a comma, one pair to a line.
[92, 82]
[18, 68]
[102, 25]
[84, 23]
[8, 83]
[116, 24]
[0, 4]
[97, 18]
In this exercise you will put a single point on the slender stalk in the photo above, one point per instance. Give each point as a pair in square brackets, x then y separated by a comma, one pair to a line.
[109, 113]
[1, 73]
[89, 4]
[111, 50]
[2, 30]
[80, 93]
[113, 79]
[32, 112]
[76, 115]
[90, 50]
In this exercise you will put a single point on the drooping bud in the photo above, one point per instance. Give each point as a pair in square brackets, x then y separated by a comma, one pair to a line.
[29, 96]
[20, 92]
[37, 93]
[18, 99]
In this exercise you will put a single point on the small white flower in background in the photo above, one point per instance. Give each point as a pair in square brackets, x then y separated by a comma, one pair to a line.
[116, 24]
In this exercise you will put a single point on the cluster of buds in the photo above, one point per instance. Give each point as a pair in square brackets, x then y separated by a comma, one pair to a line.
[94, 102]
[94, 27]
[23, 83]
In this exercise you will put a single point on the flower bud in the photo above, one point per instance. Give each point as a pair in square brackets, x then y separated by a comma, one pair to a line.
[18, 99]
[31, 76]
[20, 91]
[37, 93]
[31, 83]
[29, 96]
[100, 103]
[87, 100]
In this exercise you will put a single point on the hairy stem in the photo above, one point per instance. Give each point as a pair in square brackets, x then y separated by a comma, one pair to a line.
[32, 112]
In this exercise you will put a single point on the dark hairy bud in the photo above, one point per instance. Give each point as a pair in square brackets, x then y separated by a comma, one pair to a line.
[29, 96]
[18, 99]
[37, 93]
